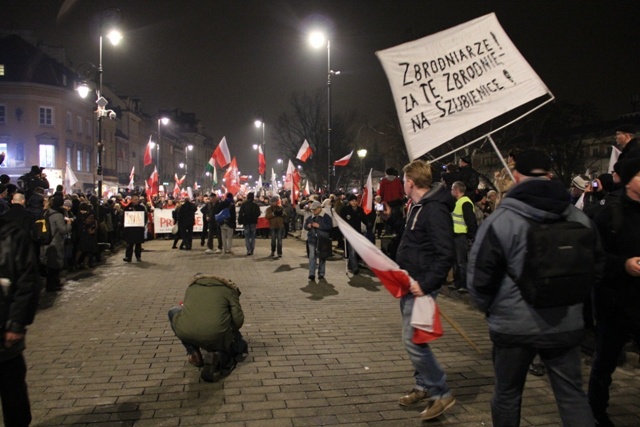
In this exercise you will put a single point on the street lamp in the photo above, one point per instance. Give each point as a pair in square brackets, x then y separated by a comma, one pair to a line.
[109, 17]
[259, 123]
[362, 153]
[162, 121]
[317, 40]
[186, 163]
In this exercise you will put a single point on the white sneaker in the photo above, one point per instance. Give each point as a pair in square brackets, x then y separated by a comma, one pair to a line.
[218, 251]
[208, 251]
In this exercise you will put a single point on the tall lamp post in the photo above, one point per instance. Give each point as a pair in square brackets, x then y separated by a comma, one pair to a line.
[162, 121]
[362, 153]
[109, 18]
[186, 163]
[317, 39]
[259, 123]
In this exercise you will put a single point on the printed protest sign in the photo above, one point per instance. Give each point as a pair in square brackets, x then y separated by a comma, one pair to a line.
[134, 218]
[452, 81]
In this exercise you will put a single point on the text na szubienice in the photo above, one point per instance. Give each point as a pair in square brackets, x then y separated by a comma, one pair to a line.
[461, 71]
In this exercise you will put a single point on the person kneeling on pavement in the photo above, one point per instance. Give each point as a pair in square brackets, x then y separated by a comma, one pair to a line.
[210, 318]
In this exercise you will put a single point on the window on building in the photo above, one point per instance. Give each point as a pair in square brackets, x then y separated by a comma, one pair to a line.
[89, 130]
[47, 155]
[19, 153]
[46, 116]
[79, 120]
[78, 160]
[595, 152]
[87, 156]
[3, 114]
[69, 121]
[69, 158]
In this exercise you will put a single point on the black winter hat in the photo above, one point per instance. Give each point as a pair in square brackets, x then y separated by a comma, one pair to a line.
[533, 163]
[627, 128]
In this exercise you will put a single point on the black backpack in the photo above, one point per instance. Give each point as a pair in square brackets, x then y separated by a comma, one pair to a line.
[559, 265]
[42, 232]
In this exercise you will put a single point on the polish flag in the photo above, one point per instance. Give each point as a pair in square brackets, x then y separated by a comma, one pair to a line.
[231, 178]
[304, 152]
[262, 163]
[176, 189]
[343, 161]
[392, 277]
[152, 184]
[292, 182]
[367, 197]
[221, 153]
[148, 159]
[274, 182]
[131, 177]
[306, 189]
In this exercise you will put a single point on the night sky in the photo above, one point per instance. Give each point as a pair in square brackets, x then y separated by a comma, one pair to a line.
[224, 60]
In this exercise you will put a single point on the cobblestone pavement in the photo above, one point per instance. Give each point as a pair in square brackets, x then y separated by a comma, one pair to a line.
[101, 352]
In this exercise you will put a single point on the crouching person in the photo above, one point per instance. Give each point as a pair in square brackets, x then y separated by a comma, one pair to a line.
[210, 318]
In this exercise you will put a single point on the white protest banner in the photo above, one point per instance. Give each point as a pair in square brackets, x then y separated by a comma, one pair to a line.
[134, 218]
[163, 221]
[452, 81]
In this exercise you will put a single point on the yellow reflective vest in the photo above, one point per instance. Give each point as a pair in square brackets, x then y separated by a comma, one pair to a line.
[459, 226]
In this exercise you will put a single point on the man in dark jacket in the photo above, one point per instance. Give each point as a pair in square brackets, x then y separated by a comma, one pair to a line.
[186, 219]
[518, 330]
[616, 299]
[133, 232]
[468, 175]
[248, 218]
[426, 252]
[19, 294]
[626, 140]
[228, 226]
[355, 217]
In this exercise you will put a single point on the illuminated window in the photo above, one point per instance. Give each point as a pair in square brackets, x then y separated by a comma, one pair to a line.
[3, 149]
[69, 159]
[87, 156]
[1, 69]
[78, 160]
[47, 155]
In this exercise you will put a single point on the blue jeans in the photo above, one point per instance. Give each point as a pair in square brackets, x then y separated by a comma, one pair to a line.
[511, 365]
[428, 374]
[353, 262]
[276, 239]
[313, 260]
[250, 237]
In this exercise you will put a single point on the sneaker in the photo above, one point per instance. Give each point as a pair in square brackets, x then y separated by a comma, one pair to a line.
[413, 397]
[218, 251]
[208, 374]
[602, 419]
[320, 277]
[273, 254]
[195, 359]
[208, 251]
[435, 408]
[312, 277]
[537, 369]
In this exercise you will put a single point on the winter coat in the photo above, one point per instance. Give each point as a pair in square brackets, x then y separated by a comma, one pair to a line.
[52, 255]
[323, 231]
[19, 284]
[391, 189]
[249, 213]
[426, 249]
[210, 314]
[497, 257]
[275, 216]
[186, 215]
[231, 221]
[133, 235]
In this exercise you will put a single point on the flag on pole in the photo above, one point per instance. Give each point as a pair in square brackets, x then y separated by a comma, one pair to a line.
[221, 153]
[260, 182]
[304, 152]
[292, 182]
[132, 175]
[274, 182]
[231, 178]
[178, 184]
[152, 184]
[343, 161]
[69, 179]
[262, 163]
[392, 277]
[367, 197]
[306, 189]
[215, 177]
[148, 159]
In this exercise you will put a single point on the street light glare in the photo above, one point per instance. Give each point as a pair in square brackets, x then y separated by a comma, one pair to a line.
[362, 153]
[258, 123]
[114, 37]
[83, 90]
[190, 147]
[317, 39]
[164, 120]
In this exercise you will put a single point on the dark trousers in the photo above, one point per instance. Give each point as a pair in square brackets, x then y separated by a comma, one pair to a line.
[130, 250]
[511, 365]
[612, 334]
[187, 236]
[53, 278]
[276, 239]
[461, 245]
[205, 232]
[13, 392]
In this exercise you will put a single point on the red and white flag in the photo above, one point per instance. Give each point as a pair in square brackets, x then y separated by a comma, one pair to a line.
[148, 159]
[152, 184]
[231, 178]
[304, 152]
[392, 277]
[176, 189]
[367, 197]
[292, 182]
[131, 177]
[262, 163]
[306, 189]
[221, 153]
[343, 161]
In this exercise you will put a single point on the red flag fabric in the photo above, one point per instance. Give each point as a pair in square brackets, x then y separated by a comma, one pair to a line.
[262, 163]
[343, 161]
[231, 178]
[367, 197]
[304, 152]
[148, 159]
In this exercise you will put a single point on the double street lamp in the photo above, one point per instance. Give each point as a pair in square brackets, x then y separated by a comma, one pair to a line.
[317, 40]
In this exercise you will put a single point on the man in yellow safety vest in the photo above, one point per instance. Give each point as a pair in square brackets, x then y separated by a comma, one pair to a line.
[465, 226]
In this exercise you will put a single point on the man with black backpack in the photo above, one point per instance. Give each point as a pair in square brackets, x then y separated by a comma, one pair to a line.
[533, 262]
